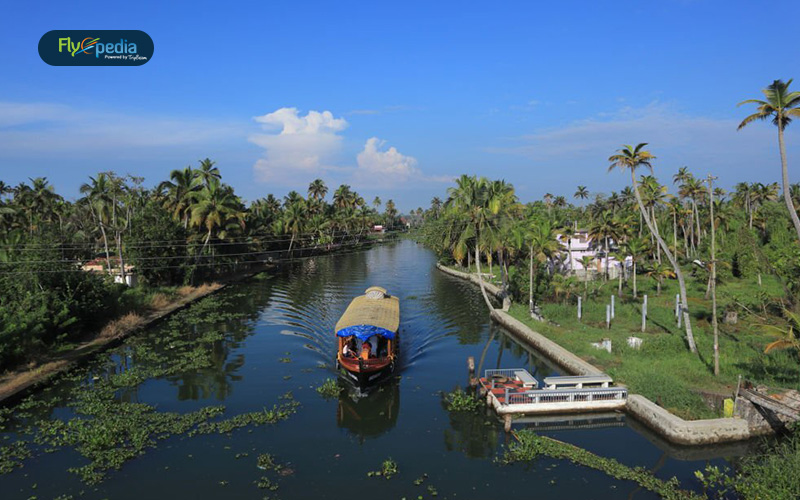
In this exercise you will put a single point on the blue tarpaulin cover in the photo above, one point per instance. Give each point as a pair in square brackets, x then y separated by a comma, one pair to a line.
[363, 332]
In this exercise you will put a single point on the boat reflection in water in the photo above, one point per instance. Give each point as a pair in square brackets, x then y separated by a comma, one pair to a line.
[368, 415]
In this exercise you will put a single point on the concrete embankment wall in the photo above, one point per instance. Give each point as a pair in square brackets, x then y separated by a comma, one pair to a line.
[671, 427]
[490, 288]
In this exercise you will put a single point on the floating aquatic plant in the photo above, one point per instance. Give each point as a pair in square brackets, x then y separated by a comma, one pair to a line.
[329, 389]
[530, 446]
[458, 400]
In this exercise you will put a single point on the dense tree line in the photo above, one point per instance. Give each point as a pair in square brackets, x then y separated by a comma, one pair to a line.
[186, 230]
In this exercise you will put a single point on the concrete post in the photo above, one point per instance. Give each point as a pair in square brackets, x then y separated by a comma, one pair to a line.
[678, 306]
[644, 313]
[612, 306]
[579, 307]
[608, 316]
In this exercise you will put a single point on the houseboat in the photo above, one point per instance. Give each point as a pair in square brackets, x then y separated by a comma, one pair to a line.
[367, 336]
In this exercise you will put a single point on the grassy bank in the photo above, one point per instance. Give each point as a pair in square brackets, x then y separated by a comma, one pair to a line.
[664, 370]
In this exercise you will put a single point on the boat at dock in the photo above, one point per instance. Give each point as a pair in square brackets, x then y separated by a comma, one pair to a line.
[514, 391]
[367, 336]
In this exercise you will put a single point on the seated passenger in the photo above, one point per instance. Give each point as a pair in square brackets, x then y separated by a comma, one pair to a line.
[348, 350]
[366, 349]
[373, 343]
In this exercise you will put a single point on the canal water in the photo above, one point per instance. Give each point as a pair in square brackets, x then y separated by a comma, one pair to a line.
[272, 335]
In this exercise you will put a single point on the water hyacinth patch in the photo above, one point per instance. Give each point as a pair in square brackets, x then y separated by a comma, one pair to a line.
[109, 431]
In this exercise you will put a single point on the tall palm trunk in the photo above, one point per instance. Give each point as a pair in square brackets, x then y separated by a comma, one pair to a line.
[675, 231]
[634, 278]
[530, 285]
[480, 278]
[671, 258]
[714, 279]
[785, 178]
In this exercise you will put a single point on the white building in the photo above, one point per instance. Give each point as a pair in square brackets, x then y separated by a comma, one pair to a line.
[579, 246]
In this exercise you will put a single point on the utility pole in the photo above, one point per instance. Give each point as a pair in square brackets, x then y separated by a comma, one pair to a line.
[713, 275]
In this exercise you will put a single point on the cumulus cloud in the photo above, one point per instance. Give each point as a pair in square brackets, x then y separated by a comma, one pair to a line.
[294, 144]
[384, 168]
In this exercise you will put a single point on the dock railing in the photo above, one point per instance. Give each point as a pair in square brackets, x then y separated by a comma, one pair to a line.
[545, 396]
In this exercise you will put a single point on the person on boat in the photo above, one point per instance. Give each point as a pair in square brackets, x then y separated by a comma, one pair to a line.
[366, 350]
[348, 351]
[373, 344]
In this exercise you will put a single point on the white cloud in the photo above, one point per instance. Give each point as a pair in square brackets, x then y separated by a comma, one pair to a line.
[303, 145]
[380, 167]
[40, 130]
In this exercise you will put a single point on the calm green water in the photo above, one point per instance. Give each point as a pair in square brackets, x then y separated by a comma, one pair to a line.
[278, 338]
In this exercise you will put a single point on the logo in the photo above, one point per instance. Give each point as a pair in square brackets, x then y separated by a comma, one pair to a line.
[96, 48]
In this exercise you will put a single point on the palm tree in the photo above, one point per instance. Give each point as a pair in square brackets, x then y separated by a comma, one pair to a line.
[177, 201]
[603, 230]
[436, 206]
[586, 262]
[478, 202]
[294, 218]
[780, 105]
[544, 246]
[213, 208]
[317, 190]
[208, 171]
[376, 202]
[567, 232]
[631, 158]
[742, 197]
[391, 213]
[658, 272]
[581, 193]
[636, 248]
[96, 196]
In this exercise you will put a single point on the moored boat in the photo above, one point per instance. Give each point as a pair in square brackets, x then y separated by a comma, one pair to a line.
[367, 335]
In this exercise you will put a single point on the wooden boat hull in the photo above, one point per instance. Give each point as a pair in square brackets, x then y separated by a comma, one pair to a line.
[366, 371]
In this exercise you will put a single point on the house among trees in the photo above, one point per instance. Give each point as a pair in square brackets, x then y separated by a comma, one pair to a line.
[580, 249]
[100, 265]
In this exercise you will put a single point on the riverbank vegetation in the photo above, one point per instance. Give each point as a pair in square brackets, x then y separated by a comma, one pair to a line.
[654, 238]
[63, 263]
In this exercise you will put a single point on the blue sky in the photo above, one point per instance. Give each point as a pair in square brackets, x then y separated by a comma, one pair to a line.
[396, 99]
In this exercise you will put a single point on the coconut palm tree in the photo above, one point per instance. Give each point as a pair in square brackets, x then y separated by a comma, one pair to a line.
[436, 206]
[294, 218]
[631, 158]
[586, 262]
[781, 105]
[581, 193]
[317, 190]
[96, 195]
[391, 213]
[567, 232]
[213, 208]
[207, 171]
[636, 248]
[544, 246]
[376, 203]
[603, 231]
[659, 271]
[181, 183]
